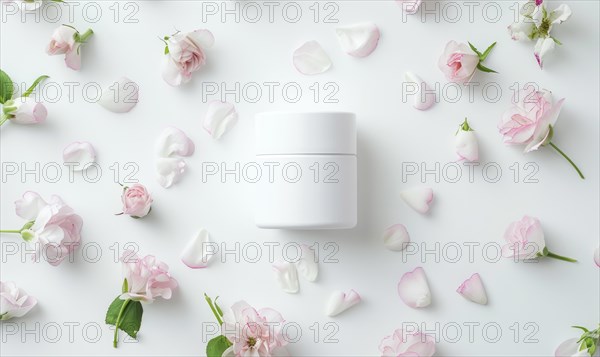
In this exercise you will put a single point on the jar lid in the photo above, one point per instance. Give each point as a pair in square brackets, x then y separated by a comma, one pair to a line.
[305, 133]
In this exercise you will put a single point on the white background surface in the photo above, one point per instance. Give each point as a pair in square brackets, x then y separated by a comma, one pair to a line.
[551, 295]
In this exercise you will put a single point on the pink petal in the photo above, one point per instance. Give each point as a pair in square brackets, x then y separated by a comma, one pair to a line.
[424, 97]
[310, 58]
[30, 205]
[220, 118]
[307, 265]
[80, 152]
[73, 58]
[198, 251]
[202, 38]
[418, 198]
[597, 257]
[120, 96]
[472, 289]
[396, 237]
[414, 289]
[340, 302]
[358, 40]
[169, 171]
[409, 6]
[173, 141]
[287, 276]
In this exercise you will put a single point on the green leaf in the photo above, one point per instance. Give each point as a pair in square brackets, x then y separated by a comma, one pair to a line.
[131, 319]
[217, 346]
[30, 90]
[125, 287]
[475, 49]
[487, 52]
[556, 41]
[166, 50]
[6, 87]
[485, 69]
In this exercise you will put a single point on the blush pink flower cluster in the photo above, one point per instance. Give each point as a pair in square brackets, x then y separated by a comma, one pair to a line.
[147, 278]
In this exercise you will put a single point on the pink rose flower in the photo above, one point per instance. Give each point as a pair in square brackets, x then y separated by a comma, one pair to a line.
[147, 278]
[254, 332]
[14, 302]
[67, 40]
[25, 111]
[402, 343]
[458, 62]
[185, 55]
[137, 202]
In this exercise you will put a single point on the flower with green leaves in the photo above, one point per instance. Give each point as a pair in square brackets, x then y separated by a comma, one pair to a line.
[458, 62]
[67, 40]
[584, 345]
[23, 109]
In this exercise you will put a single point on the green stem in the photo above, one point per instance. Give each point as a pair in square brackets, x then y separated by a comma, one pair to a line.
[10, 231]
[568, 159]
[560, 257]
[84, 36]
[119, 321]
[212, 307]
[3, 119]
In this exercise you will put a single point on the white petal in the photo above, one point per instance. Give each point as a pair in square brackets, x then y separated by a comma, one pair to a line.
[414, 289]
[220, 118]
[418, 198]
[358, 40]
[465, 143]
[30, 205]
[310, 58]
[542, 47]
[561, 14]
[424, 97]
[570, 348]
[120, 96]
[308, 265]
[80, 152]
[472, 289]
[521, 31]
[396, 237]
[287, 276]
[229, 352]
[173, 141]
[597, 257]
[169, 171]
[340, 302]
[198, 251]
[202, 38]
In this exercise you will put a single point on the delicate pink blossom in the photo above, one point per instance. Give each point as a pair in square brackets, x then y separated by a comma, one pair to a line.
[137, 201]
[146, 278]
[14, 302]
[186, 55]
[404, 343]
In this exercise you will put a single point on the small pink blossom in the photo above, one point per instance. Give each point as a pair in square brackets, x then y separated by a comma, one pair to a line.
[404, 343]
[458, 62]
[147, 278]
[14, 302]
[67, 40]
[137, 201]
[186, 55]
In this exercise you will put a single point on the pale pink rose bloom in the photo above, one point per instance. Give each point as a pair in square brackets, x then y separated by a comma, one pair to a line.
[56, 230]
[147, 278]
[14, 302]
[254, 332]
[63, 42]
[529, 119]
[137, 201]
[186, 55]
[524, 239]
[404, 343]
[458, 62]
[28, 111]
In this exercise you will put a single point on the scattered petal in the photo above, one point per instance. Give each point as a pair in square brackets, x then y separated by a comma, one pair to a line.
[30, 205]
[169, 171]
[396, 237]
[542, 47]
[597, 257]
[414, 289]
[418, 198]
[472, 289]
[310, 58]
[570, 348]
[121, 96]
[561, 14]
[358, 40]
[287, 276]
[308, 265]
[199, 251]
[340, 302]
[220, 118]
[173, 141]
[80, 152]
[409, 6]
[424, 97]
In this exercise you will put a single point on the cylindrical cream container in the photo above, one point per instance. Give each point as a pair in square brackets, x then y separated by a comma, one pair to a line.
[308, 166]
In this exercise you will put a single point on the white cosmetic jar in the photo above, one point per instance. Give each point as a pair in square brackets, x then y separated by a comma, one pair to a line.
[309, 170]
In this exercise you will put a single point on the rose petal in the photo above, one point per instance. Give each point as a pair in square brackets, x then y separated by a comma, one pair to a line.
[307, 264]
[424, 97]
[409, 6]
[120, 96]
[169, 171]
[173, 141]
[418, 198]
[340, 302]
[199, 250]
[414, 289]
[597, 257]
[220, 118]
[80, 152]
[287, 276]
[542, 47]
[472, 289]
[358, 40]
[465, 143]
[30, 205]
[396, 237]
[570, 348]
[310, 58]
[73, 57]
[522, 30]
[202, 38]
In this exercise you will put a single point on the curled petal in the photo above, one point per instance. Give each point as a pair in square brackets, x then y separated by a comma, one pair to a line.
[169, 170]
[310, 58]
[597, 257]
[121, 96]
[340, 302]
[414, 289]
[308, 265]
[561, 14]
[418, 198]
[523, 30]
[358, 40]
[73, 57]
[472, 289]
[173, 141]
[199, 251]
[202, 38]
[220, 118]
[542, 47]
[396, 237]
[542, 130]
[465, 143]
[80, 152]
[29, 206]
[409, 6]
[423, 96]
[287, 276]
